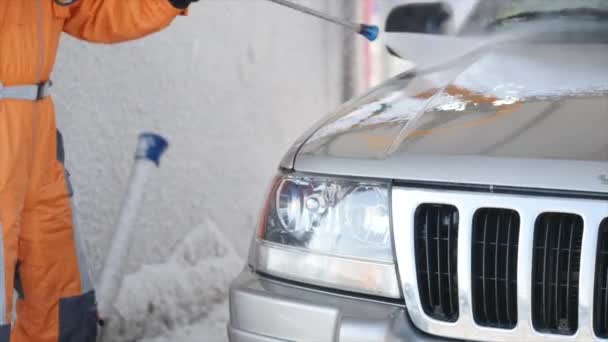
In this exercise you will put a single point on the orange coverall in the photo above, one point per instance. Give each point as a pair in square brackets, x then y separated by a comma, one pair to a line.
[40, 245]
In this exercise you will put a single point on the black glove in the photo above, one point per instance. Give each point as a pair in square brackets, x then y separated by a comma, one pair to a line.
[181, 4]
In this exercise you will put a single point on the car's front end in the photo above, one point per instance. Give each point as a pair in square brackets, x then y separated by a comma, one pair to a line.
[468, 203]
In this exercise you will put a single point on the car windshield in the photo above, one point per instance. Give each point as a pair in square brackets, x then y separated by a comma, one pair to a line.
[499, 14]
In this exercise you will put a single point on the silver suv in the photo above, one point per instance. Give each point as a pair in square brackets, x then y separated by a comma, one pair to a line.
[466, 199]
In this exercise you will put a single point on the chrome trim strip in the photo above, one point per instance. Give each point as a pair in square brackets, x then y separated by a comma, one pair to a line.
[362, 276]
[287, 283]
[406, 201]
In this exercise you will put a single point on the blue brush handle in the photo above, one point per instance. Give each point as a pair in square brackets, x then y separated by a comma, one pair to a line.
[370, 32]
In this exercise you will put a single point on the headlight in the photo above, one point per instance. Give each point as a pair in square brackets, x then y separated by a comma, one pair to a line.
[328, 231]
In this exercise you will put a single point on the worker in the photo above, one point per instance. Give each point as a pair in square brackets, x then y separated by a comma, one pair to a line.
[41, 247]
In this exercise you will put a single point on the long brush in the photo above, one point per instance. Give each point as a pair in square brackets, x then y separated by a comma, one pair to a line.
[147, 157]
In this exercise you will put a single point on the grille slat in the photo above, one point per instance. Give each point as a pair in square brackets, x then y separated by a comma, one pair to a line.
[494, 268]
[483, 267]
[429, 274]
[436, 232]
[438, 229]
[600, 317]
[569, 274]
[557, 268]
[496, 250]
[451, 296]
[508, 297]
[546, 308]
[555, 273]
[605, 330]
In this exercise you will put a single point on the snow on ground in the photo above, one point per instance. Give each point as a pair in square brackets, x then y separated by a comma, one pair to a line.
[212, 329]
[182, 299]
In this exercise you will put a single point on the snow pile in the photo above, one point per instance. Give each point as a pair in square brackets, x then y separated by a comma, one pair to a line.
[191, 286]
[211, 329]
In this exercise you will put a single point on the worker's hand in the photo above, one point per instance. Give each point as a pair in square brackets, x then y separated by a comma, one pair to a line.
[181, 4]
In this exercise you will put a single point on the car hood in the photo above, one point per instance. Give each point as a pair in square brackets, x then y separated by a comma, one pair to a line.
[516, 116]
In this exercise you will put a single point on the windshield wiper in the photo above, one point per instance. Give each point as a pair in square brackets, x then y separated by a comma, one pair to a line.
[592, 13]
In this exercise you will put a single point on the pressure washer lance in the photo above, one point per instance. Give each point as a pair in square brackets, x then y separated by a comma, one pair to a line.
[370, 32]
[147, 158]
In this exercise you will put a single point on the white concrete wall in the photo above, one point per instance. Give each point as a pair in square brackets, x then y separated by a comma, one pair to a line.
[231, 86]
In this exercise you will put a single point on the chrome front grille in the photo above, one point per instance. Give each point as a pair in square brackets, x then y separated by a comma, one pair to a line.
[506, 319]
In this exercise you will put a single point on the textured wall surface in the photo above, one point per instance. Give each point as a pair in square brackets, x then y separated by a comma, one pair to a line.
[231, 86]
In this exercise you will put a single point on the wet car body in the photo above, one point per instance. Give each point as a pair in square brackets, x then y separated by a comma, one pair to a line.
[519, 130]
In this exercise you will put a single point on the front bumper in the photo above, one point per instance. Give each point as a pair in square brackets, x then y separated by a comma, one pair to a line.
[267, 310]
